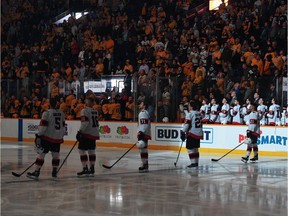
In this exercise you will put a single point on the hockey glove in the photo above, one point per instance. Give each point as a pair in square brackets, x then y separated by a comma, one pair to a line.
[182, 136]
[79, 136]
[38, 144]
[140, 135]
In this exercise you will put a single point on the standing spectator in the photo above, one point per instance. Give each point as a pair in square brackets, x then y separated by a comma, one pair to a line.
[143, 134]
[192, 129]
[87, 136]
[50, 136]
[129, 109]
[253, 132]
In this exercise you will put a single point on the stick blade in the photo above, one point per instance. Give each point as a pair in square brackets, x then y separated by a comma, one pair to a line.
[107, 167]
[16, 174]
[175, 164]
[214, 159]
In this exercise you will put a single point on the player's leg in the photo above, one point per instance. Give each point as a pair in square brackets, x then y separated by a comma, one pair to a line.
[83, 157]
[39, 162]
[143, 155]
[255, 150]
[192, 146]
[92, 156]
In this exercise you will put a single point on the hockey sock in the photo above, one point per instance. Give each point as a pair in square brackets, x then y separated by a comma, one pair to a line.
[255, 149]
[55, 159]
[39, 161]
[193, 155]
[92, 157]
[83, 158]
[144, 155]
[248, 152]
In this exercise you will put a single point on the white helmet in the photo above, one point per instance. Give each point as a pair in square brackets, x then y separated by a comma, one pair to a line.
[140, 144]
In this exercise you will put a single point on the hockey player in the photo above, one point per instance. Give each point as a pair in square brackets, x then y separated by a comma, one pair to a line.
[253, 132]
[87, 136]
[49, 138]
[273, 113]
[214, 117]
[235, 113]
[143, 134]
[284, 117]
[244, 110]
[224, 113]
[192, 129]
[205, 110]
[262, 109]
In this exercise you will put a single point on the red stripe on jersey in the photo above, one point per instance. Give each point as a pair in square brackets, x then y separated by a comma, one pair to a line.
[43, 122]
[89, 136]
[56, 141]
[84, 119]
[147, 137]
[195, 136]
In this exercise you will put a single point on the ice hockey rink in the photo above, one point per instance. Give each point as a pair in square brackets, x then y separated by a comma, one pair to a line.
[227, 187]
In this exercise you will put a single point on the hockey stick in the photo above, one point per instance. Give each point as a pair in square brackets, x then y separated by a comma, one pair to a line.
[109, 167]
[20, 174]
[67, 156]
[178, 154]
[227, 152]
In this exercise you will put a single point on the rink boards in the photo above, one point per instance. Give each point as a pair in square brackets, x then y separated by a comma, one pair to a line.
[217, 138]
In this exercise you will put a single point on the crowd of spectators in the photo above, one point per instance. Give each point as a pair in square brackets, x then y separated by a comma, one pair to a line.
[240, 48]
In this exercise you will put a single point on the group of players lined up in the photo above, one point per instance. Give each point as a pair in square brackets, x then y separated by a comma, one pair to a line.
[235, 113]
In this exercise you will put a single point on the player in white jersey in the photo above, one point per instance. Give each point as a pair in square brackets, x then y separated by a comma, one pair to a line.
[205, 110]
[244, 110]
[253, 132]
[143, 134]
[284, 117]
[193, 130]
[225, 118]
[235, 113]
[87, 136]
[273, 113]
[262, 109]
[49, 138]
[214, 117]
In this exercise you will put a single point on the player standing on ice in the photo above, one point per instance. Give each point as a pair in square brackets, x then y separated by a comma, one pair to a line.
[49, 138]
[143, 134]
[253, 132]
[193, 130]
[87, 136]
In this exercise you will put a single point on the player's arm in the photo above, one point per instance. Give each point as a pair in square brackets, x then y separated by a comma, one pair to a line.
[84, 121]
[44, 122]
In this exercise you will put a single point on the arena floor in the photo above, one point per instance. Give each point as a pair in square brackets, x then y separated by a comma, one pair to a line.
[226, 187]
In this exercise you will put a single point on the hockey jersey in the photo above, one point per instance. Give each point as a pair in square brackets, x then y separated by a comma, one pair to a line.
[193, 124]
[52, 126]
[235, 113]
[214, 117]
[205, 111]
[144, 124]
[253, 121]
[224, 114]
[262, 109]
[273, 114]
[89, 123]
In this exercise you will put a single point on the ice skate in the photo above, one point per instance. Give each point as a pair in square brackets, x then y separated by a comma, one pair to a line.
[54, 173]
[192, 165]
[91, 171]
[245, 159]
[34, 175]
[254, 159]
[143, 168]
[84, 172]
